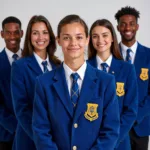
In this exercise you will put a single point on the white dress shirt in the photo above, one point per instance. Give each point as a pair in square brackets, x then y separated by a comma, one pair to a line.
[99, 61]
[10, 54]
[132, 53]
[40, 60]
[81, 73]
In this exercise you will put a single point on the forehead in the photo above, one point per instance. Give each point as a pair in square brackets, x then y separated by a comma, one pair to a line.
[127, 18]
[11, 26]
[100, 29]
[73, 28]
[39, 25]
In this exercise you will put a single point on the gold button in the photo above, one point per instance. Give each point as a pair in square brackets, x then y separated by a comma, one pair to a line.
[75, 125]
[74, 148]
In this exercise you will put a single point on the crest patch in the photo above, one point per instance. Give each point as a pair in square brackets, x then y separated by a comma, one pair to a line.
[120, 89]
[91, 113]
[144, 74]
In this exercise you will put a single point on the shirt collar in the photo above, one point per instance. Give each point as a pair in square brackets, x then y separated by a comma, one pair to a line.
[10, 53]
[39, 59]
[133, 47]
[80, 71]
[108, 61]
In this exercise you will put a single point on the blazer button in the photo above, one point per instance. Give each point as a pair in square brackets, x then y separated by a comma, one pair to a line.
[74, 148]
[75, 125]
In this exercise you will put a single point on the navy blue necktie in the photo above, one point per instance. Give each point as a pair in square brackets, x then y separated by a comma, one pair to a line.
[104, 67]
[128, 56]
[15, 57]
[44, 63]
[75, 89]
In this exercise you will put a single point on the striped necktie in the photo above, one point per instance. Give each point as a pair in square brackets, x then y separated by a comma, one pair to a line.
[128, 56]
[75, 89]
[44, 63]
[104, 67]
[15, 57]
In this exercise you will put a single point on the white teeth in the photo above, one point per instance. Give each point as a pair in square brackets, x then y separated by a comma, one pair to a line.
[40, 43]
[128, 33]
[12, 42]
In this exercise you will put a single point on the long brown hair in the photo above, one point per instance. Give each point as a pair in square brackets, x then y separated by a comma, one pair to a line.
[114, 47]
[51, 48]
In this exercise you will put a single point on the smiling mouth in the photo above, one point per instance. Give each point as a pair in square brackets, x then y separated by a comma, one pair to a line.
[12, 42]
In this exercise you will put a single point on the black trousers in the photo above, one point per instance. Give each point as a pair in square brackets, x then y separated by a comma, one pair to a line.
[138, 143]
[6, 145]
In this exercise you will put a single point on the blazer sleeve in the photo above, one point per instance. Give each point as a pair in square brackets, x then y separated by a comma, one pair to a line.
[130, 106]
[110, 126]
[40, 121]
[20, 99]
[7, 119]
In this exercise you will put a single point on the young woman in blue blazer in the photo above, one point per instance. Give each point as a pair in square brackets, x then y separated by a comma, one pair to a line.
[104, 54]
[38, 58]
[75, 105]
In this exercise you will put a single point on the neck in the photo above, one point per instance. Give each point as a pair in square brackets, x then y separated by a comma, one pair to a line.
[42, 54]
[74, 64]
[104, 55]
[128, 43]
[14, 50]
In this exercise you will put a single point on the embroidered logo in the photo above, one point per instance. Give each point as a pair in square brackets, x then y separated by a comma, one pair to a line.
[91, 113]
[120, 89]
[144, 74]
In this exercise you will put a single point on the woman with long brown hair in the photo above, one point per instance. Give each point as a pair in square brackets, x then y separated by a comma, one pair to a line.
[104, 54]
[38, 58]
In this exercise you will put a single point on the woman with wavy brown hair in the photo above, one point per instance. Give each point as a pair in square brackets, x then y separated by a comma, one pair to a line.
[38, 58]
[104, 54]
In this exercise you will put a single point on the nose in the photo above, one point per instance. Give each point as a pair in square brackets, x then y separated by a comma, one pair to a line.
[127, 27]
[73, 41]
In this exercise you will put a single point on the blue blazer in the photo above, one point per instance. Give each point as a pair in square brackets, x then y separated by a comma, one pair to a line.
[128, 100]
[94, 124]
[24, 73]
[8, 122]
[142, 61]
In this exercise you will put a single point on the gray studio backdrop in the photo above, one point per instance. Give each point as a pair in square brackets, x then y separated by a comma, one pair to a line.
[89, 10]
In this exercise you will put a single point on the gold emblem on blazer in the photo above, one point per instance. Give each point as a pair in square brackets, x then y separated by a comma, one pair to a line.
[91, 113]
[120, 89]
[144, 74]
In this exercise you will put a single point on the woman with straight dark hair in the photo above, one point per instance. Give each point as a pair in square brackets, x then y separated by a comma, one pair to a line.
[75, 105]
[104, 54]
[37, 58]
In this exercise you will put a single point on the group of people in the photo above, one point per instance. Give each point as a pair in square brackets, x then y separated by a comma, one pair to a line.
[102, 103]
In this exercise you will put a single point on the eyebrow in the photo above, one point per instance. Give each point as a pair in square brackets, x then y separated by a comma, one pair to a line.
[101, 33]
[69, 34]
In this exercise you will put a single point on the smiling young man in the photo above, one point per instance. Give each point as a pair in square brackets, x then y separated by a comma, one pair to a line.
[137, 54]
[12, 34]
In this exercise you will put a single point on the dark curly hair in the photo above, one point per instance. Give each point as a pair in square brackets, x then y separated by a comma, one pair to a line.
[127, 11]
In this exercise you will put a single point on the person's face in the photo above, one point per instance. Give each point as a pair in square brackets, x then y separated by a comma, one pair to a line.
[128, 27]
[12, 35]
[101, 39]
[73, 41]
[40, 37]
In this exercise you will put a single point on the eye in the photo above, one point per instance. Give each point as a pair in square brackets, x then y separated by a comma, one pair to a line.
[105, 35]
[94, 36]
[45, 32]
[66, 38]
[35, 33]
[79, 37]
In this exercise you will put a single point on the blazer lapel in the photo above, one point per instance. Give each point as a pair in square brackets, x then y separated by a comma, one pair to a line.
[88, 88]
[62, 89]
[115, 67]
[140, 59]
[33, 64]
[6, 65]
